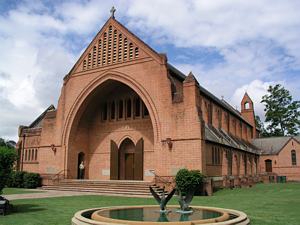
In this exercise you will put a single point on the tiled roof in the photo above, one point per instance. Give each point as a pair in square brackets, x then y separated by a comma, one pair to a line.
[272, 145]
[219, 136]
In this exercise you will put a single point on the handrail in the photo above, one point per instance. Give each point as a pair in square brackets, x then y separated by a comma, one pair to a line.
[162, 180]
[57, 175]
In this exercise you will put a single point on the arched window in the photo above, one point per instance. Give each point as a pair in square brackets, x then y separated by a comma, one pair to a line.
[293, 156]
[268, 165]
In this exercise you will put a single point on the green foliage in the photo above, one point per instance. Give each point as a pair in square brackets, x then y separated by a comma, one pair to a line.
[22, 179]
[8, 144]
[282, 113]
[7, 158]
[187, 180]
[32, 180]
[16, 179]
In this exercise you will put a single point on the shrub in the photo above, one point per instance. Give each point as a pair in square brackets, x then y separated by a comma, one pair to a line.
[32, 180]
[22, 179]
[16, 179]
[187, 180]
[7, 158]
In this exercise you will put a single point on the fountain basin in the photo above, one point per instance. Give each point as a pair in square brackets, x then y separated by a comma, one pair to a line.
[150, 215]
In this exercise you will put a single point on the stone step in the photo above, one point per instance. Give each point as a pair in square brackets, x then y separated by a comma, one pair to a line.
[146, 189]
[97, 190]
[113, 187]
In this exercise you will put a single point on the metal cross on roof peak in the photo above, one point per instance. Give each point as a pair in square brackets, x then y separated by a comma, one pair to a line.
[112, 11]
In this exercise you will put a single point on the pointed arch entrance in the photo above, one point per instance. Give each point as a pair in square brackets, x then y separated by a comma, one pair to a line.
[127, 161]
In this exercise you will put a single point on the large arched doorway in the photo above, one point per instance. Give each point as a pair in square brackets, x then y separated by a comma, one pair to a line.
[126, 162]
[112, 111]
[268, 164]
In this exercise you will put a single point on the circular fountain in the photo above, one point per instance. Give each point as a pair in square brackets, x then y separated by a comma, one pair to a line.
[151, 215]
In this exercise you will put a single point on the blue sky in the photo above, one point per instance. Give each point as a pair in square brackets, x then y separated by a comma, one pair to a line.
[231, 46]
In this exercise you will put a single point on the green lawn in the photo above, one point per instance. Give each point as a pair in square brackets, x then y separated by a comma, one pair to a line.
[273, 204]
[10, 191]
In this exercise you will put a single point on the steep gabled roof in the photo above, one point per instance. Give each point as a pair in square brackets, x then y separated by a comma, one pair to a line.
[272, 145]
[112, 45]
[38, 120]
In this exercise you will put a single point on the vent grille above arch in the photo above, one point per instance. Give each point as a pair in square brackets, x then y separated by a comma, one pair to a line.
[111, 47]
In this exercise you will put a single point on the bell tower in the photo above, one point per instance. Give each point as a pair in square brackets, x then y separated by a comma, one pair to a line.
[247, 111]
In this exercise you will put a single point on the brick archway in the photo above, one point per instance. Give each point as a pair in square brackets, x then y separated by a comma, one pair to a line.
[82, 102]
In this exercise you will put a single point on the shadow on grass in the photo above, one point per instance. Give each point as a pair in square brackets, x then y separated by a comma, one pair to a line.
[25, 208]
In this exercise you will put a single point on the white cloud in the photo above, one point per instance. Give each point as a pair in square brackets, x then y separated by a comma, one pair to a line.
[258, 40]
[256, 89]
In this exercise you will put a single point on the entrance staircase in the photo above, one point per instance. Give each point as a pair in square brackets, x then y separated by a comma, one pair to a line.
[105, 187]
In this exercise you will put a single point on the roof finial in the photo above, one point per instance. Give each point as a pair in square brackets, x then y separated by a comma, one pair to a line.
[112, 11]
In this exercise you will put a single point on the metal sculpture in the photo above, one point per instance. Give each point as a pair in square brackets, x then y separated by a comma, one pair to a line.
[185, 201]
[162, 199]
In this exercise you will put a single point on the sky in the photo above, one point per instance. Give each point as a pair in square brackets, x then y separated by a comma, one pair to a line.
[231, 46]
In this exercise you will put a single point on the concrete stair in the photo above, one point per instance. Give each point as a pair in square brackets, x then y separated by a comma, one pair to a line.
[109, 187]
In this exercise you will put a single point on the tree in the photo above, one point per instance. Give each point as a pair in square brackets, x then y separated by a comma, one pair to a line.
[282, 113]
[7, 158]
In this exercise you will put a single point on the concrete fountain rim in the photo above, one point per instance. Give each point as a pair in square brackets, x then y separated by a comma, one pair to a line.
[241, 219]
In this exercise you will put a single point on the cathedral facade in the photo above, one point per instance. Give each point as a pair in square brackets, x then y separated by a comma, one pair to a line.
[128, 114]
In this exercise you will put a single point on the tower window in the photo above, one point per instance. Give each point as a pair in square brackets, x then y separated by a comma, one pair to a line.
[247, 105]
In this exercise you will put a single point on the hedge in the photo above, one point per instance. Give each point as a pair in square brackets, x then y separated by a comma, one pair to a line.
[22, 179]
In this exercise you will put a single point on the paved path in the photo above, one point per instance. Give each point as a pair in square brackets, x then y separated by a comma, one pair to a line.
[52, 193]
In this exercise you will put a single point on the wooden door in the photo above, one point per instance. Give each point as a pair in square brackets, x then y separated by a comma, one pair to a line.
[268, 165]
[139, 160]
[114, 161]
[129, 166]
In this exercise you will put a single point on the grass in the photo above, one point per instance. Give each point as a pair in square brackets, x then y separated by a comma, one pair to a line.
[11, 191]
[265, 204]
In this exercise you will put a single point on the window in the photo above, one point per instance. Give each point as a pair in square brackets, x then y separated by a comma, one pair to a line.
[229, 161]
[120, 115]
[216, 156]
[104, 112]
[29, 154]
[112, 110]
[25, 155]
[35, 154]
[247, 105]
[137, 107]
[294, 158]
[128, 108]
[32, 154]
[245, 163]
[145, 110]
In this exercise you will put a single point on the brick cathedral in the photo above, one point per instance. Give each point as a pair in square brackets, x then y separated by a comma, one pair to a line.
[128, 114]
